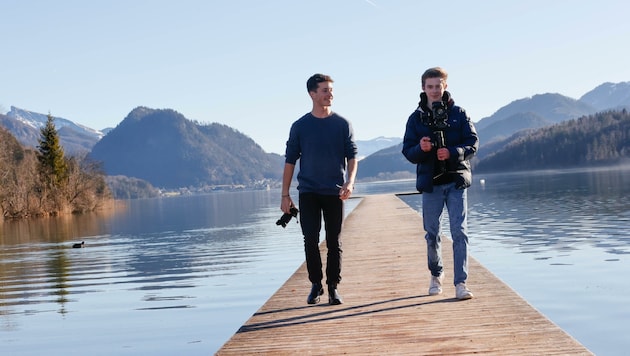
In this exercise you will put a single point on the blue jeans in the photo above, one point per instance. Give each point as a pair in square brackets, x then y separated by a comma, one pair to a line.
[432, 209]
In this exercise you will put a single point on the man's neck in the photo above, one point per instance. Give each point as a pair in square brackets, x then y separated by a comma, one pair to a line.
[321, 112]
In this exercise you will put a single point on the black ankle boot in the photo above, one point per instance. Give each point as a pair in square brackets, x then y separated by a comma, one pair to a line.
[333, 296]
[316, 291]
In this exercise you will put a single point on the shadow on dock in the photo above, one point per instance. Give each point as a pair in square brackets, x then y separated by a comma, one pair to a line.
[386, 307]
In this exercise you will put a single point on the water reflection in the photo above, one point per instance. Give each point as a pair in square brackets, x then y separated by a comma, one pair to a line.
[58, 271]
[145, 245]
[195, 268]
[56, 229]
[181, 213]
[540, 212]
[561, 240]
[556, 211]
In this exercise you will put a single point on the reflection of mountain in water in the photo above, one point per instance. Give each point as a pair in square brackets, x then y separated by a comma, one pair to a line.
[204, 264]
[542, 212]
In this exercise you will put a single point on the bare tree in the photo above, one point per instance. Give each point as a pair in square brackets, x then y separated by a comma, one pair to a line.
[86, 188]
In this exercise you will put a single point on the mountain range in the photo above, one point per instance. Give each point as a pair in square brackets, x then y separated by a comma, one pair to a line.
[25, 126]
[168, 150]
[510, 123]
[548, 109]
[164, 148]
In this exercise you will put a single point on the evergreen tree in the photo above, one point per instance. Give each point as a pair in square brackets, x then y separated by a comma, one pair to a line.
[44, 182]
[53, 164]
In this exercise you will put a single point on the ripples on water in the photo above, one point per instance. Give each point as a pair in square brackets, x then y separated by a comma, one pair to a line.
[165, 276]
[181, 275]
[554, 212]
[561, 240]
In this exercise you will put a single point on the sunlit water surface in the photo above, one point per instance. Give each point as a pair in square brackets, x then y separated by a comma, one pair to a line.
[181, 275]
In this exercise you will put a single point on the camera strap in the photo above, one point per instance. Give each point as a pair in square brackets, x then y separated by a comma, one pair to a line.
[447, 99]
[423, 105]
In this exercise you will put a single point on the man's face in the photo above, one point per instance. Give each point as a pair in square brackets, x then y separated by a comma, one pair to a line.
[324, 94]
[434, 88]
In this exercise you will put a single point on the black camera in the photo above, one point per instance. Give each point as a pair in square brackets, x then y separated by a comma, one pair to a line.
[437, 121]
[440, 116]
[285, 218]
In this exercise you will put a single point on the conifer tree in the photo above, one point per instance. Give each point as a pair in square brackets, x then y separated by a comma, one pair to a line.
[51, 156]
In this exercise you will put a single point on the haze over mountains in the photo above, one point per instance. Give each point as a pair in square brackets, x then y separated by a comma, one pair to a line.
[168, 150]
[547, 109]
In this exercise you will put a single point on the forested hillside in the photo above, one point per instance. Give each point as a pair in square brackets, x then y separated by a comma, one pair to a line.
[44, 181]
[167, 150]
[593, 140]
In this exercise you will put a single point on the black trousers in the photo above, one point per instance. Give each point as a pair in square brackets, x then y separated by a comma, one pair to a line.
[312, 207]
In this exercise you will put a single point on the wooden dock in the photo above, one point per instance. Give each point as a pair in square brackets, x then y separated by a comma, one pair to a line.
[387, 310]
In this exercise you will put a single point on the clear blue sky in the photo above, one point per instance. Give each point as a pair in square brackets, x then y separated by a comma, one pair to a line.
[244, 63]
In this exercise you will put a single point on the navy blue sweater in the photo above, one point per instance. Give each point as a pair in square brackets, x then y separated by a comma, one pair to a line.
[323, 147]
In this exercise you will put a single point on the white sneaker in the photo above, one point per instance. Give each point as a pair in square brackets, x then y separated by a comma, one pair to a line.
[462, 292]
[435, 287]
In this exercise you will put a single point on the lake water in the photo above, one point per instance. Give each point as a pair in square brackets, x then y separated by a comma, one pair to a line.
[181, 275]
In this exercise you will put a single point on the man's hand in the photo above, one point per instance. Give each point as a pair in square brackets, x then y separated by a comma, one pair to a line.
[345, 191]
[443, 154]
[425, 144]
[286, 204]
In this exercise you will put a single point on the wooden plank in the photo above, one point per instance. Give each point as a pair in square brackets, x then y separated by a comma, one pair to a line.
[386, 307]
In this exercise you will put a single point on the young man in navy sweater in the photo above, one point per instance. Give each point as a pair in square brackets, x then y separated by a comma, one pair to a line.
[323, 142]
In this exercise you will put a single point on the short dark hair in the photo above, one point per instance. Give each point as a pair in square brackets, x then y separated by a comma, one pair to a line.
[315, 79]
[435, 72]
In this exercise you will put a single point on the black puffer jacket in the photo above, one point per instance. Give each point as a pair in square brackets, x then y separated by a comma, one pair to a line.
[461, 140]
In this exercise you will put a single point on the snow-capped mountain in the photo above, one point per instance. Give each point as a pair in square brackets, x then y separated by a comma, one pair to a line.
[368, 147]
[37, 121]
[25, 126]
